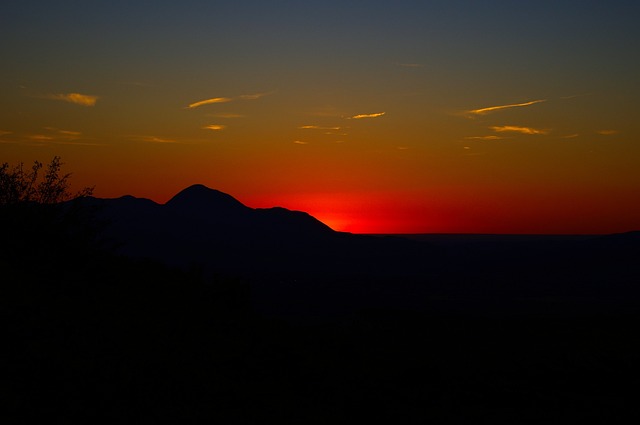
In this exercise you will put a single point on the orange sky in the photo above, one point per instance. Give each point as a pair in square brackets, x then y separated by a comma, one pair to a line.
[424, 117]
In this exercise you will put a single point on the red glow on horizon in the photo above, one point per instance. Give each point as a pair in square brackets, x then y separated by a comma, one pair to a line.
[389, 213]
[361, 213]
[386, 215]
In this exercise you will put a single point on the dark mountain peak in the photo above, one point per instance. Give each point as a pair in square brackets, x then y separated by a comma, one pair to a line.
[282, 219]
[200, 197]
[129, 199]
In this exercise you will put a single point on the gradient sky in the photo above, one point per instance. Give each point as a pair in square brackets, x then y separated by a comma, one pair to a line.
[379, 117]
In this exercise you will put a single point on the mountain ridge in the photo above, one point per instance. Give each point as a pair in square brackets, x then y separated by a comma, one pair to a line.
[201, 196]
[209, 227]
[213, 230]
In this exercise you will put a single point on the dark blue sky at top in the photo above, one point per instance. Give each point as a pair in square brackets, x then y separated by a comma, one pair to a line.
[519, 49]
[448, 31]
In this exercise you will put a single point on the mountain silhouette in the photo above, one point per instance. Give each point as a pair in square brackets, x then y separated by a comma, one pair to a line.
[276, 248]
[205, 227]
[199, 200]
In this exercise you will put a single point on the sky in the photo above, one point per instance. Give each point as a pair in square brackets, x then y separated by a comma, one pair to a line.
[373, 116]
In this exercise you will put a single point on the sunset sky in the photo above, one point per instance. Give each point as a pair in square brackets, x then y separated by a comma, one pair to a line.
[375, 117]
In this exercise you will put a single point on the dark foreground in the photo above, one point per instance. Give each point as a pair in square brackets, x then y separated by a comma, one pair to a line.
[116, 340]
[240, 316]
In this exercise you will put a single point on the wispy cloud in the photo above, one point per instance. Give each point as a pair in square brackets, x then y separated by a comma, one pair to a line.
[70, 133]
[489, 109]
[215, 127]
[40, 137]
[570, 136]
[151, 139]
[517, 129]
[77, 98]
[55, 135]
[226, 116]
[484, 138]
[573, 96]
[361, 116]
[64, 134]
[209, 101]
[318, 127]
[212, 100]
[608, 132]
[254, 96]
[300, 142]
[50, 136]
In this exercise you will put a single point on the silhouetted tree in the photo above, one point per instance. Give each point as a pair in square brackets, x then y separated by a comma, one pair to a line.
[18, 185]
[40, 229]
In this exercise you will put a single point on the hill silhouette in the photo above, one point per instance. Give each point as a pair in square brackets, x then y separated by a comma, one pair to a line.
[199, 199]
[299, 265]
[211, 229]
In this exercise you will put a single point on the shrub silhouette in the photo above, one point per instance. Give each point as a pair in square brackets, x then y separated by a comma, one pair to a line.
[18, 185]
[43, 228]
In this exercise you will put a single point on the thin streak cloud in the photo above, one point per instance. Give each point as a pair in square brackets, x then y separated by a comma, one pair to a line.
[517, 129]
[361, 116]
[209, 101]
[151, 139]
[254, 96]
[300, 142]
[214, 127]
[226, 116]
[77, 98]
[607, 132]
[64, 134]
[489, 109]
[52, 135]
[40, 137]
[318, 127]
[484, 138]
